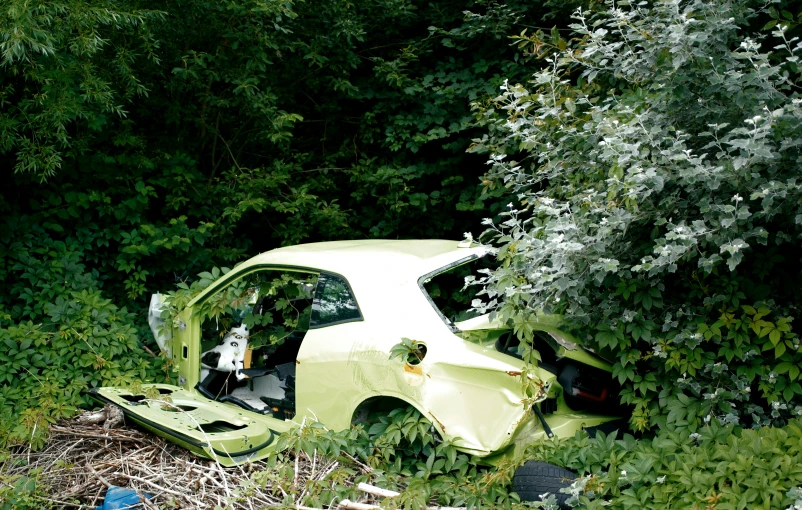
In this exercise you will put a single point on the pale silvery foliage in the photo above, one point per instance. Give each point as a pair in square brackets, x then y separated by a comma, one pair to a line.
[796, 495]
[691, 169]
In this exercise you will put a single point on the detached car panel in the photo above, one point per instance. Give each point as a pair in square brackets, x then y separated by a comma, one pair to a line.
[205, 427]
[305, 333]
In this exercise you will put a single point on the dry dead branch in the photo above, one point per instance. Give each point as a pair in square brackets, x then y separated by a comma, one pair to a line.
[110, 416]
[377, 491]
[82, 459]
[353, 505]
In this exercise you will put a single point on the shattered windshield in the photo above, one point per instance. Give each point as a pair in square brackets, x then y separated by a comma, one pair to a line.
[447, 291]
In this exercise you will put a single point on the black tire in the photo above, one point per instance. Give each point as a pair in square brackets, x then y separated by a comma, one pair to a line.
[536, 478]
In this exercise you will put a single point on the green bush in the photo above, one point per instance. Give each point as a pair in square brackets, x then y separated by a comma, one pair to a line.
[22, 493]
[718, 467]
[60, 337]
[652, 170]
[153, 140]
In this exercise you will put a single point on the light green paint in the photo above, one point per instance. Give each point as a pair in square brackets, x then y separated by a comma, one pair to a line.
[468, 390]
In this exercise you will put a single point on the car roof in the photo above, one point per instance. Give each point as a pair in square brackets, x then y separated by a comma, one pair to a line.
[402, 258]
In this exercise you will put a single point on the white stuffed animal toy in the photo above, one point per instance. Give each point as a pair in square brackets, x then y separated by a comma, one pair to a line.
[229, 356]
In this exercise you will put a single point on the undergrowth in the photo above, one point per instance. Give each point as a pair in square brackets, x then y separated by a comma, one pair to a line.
[716, 468]
[401, 451]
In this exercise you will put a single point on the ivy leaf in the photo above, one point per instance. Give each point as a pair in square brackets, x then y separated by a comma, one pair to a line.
[775, 336]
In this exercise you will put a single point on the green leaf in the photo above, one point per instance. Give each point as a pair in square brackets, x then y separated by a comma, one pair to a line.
[775, 336]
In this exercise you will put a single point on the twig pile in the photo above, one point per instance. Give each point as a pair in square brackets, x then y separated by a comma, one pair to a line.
[82, 459]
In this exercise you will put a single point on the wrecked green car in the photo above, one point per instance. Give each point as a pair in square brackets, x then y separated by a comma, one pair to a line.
[333, 331]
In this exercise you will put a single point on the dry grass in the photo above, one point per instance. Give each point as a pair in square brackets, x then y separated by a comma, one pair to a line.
[80, 461]
[83, 458]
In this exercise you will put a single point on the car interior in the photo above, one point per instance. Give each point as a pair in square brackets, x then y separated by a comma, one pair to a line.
[586, 388]
[276, 308]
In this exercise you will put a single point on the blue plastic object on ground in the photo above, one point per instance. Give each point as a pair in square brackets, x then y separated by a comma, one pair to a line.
[118, 498]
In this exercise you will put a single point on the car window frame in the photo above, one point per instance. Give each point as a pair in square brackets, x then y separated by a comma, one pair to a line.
[261, 267]
[428, 276]
[361, 318]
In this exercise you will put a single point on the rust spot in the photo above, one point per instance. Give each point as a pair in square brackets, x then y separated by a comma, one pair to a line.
[297, 362]
[514, 373]
[439, 423]
[413, 369]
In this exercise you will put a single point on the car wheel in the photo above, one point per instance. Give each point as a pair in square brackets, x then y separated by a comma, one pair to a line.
[536, 478]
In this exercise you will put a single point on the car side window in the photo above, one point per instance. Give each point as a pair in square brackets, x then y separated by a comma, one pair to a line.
[334, 302]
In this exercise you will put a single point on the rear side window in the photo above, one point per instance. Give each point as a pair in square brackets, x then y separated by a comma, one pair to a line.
[334, 302]
[448, 291]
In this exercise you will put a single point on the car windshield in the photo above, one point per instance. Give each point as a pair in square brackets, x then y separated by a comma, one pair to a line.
[447, 290]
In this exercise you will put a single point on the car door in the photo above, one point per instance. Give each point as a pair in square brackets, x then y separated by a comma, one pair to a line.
[217, 430]
[220, 425]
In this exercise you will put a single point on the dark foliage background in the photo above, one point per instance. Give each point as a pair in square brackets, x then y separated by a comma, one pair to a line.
[144, 142]
[642, 181]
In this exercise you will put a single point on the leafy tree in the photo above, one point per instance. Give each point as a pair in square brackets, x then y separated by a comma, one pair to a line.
[151, 141]
[652, 165]
[70, 69]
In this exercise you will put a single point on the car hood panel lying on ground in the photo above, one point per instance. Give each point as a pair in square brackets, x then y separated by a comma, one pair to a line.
[363, 298]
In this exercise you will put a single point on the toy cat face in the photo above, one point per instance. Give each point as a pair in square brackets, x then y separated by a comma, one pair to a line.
[229, 354]
[237, 337]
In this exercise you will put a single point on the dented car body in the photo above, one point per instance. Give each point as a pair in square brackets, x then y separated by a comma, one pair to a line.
[353, 302]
